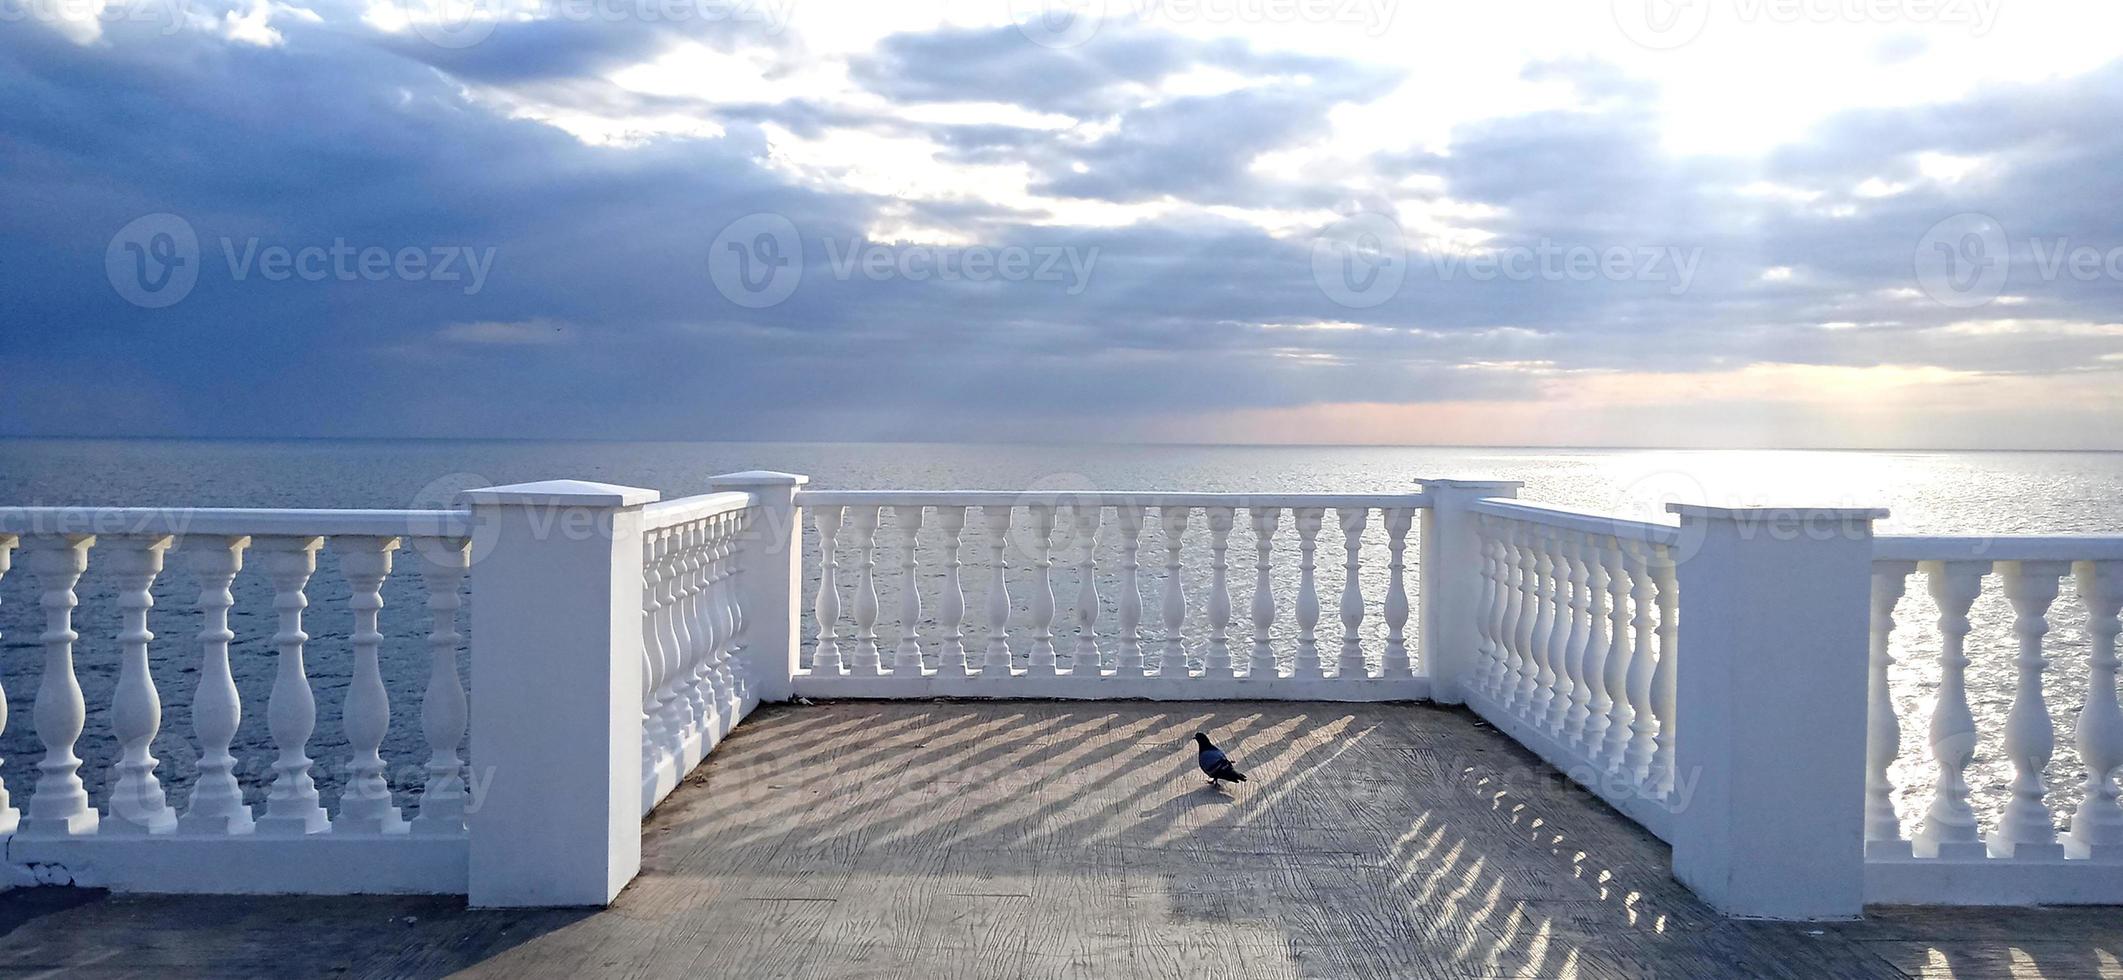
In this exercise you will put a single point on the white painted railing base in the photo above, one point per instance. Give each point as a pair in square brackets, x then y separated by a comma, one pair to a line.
[315, 864]
[1650, 813]
[1993, 881]
[672, 770]
[1021, 685]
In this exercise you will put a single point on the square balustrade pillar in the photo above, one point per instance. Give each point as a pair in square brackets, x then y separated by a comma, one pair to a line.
[1770, 675]
[772, 558]
[556, 729]
[1449, 587]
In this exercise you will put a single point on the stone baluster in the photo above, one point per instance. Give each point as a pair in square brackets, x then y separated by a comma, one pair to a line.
[1040, 663]
[1172, 662]
[137, 804]
[1883, 731]
[696, 594]
[1663, 689]
[10, 817]
[291, 807]
[1216, 659]
[1495, 609]
[1571, 712]
[1262, 665]
[733, 669]
[444, 563]
[653, 736]
[1589, 731]
[1642, 748]
[2027, 830]
[1307, 664]
[1527, 542]
[711, 675]
[1395, 663]
[365, 804]
[1129, 660]
[1567, 645]
[1511, 576]
[906, 657]
[2097, 827]
[825, 657]
[216, 807]
[670, 694]
[720, 684]
[1949, 828]
[1548, 595]
[868, 659]
[951, 656]
[996, 666]
[1084, 662]
[1351, 666]
[1614, 670]
[59, 807]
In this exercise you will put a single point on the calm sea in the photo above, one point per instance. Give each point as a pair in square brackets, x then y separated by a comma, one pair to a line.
[1939, 493]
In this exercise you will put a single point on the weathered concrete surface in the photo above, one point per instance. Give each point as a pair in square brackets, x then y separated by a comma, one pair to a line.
[1005, 839]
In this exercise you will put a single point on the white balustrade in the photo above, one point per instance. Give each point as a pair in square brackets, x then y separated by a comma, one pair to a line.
[701, 683]
[217, 805]
[136, 805]
[1570, 641]
[952, 659]
[1216, 657]
[59, 806]
[1195, 588]
[996, 665]
[1570, 627]
[825, 658]
[1261, 665]
[1949, 859]
[906, 656]
[1351, 664]
[443, 711]
[1041, 661]
[1084, 662]
[1395, 662]
[102, 831]
[867, 657]
[1172, 662]
[365, 804]
[1129, 518]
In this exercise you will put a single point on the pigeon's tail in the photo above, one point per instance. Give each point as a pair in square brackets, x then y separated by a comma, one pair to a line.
[1228, 773]
[1235, 774]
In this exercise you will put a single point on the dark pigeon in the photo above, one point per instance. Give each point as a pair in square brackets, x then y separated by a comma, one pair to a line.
[1214, 762]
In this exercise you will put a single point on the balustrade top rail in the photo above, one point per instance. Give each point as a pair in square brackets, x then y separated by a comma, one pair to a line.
[1104, 498]
[1580, 521]
[669, 513]
[2022, 547]
[234, 520]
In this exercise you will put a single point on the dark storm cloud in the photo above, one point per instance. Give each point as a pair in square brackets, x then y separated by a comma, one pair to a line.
[600, 319]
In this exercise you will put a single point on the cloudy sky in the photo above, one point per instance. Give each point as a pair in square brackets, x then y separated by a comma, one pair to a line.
[1645, 222]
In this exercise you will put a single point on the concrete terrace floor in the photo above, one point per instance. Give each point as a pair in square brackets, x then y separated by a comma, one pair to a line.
[1045, 839]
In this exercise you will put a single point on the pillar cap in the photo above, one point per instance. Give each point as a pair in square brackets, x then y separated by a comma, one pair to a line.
[759, 478]
[562, 493]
